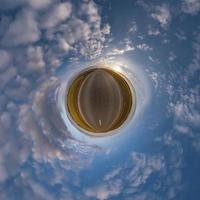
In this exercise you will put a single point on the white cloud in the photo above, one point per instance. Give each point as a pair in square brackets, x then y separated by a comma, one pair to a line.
[3, 172]
[162, 15]
[171, 56]
[21, 86]
[153, 32]
[133, 28]
[35, 4]
[106, 29]
[120, 51]
[7, 76]
[26, 103]
[191, 6]
[23, 30]
[142, 175]
[154, 60]
[144, 47]
[155, 78]
[76, 30]
[126, 46]
[5, 59]
[185, 100]
[185, 110]
[28, 57]
[90, 10]
[14, 151]
[112, 174]
[82, 35]
[63, 45]
[180, 34]
[41, 123]
[43, 147]
[87, 39]
[38, 4]
[34, 58]
[104, 191]
[182, 129]
[143, 167]
[196, 143]
[39, 191]
[195, 64]
[58, 14]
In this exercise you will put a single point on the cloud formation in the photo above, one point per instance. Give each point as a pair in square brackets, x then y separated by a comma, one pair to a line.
[191, 6]
[142, 176]
[33, 44]
[162, 15]
[38, 154]
[15, 34]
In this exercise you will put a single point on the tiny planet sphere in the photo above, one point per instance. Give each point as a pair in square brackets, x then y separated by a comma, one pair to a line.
[99, 100]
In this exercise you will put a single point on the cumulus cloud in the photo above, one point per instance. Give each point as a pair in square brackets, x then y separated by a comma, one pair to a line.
[15, 151]
[37, 4]
[58, 14]
[44, 125]
[34, 40]
[35, 61]
[63, 45]
[82, 35]
[5, 59]
[23, 30]
[9, 74]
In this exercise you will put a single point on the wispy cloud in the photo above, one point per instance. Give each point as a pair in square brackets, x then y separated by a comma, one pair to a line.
[191, 6]
[162, 15]
[131, 179]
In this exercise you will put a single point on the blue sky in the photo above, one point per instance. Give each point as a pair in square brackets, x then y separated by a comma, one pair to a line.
[156, 156]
